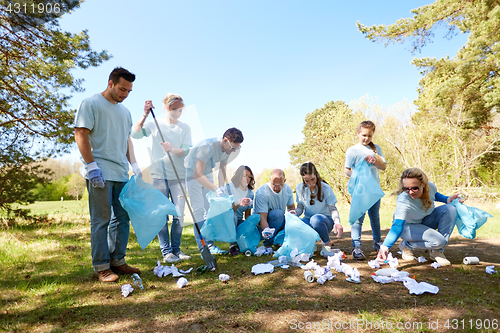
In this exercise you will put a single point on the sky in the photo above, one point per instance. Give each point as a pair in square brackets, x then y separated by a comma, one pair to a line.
[259, 66]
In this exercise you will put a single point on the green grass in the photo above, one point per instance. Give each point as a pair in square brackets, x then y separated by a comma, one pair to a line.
[46, 285]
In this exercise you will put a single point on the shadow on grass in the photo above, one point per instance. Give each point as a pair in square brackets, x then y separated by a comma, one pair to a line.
[59, 291]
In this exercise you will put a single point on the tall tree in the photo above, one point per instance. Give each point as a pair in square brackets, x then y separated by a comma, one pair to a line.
[36, 59]
[470, 81]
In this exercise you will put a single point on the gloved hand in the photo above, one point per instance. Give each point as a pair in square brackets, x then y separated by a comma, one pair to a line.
[95, 176]
[136, 170]
[268, 232]
[221, 191]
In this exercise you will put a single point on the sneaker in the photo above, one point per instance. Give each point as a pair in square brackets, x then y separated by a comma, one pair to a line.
[182, 256]
[107, 276]
[357, 254]
[439, 257]
[377, 245]
[125, 269]
[171, 258]
[234, 250]
[217, 250]
[406, 253]
[327, 251]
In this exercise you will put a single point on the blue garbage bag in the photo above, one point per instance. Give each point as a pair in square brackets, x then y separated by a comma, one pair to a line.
[247, 234]
[469, 219]
[364, 189]
[279, 238]
[298, 235]
[147, 209]
[219, 225]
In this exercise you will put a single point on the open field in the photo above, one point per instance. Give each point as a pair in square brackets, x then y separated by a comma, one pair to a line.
[47, 286]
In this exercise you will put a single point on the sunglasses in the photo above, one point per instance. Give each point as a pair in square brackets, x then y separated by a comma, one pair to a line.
[413, 189]
[233, 148]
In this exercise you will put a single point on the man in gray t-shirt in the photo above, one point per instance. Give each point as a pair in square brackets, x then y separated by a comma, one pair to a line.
[102, 129]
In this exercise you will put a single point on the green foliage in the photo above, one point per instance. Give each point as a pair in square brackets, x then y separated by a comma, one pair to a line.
[469, 81]
[328, 133]
[52, 191]
[35, 116]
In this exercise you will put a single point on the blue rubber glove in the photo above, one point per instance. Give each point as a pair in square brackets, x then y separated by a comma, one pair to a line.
[95, 176]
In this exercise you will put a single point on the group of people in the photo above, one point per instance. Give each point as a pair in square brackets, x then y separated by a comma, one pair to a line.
[103, 128]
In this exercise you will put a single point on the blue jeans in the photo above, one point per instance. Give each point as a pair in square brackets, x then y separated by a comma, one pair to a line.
[356, 227]
[425, 236]
[108, 247]
[172, 189]
[276, 220]
[322, 224]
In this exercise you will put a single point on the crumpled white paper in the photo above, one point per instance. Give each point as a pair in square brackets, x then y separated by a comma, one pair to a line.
[436, 265]
[126, 289]
[354, 276]
[491, 269]
[386, 271]
[262, 268]
[175, 271]
[223, 277]
[262, 250]
[311, 265]
[419, 288]
[393, 262]
[186, 272]
[382, 279]
[297, 258]
[421, 259]
[162, 271]
[284, 266]
[374, 264]
[182, 282]
[325, 277]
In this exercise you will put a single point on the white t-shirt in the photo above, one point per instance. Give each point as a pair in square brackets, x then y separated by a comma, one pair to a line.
[110, 125]
[266, 199]
[411, 210]
[358, 152]
[207, 151]
[319, 207]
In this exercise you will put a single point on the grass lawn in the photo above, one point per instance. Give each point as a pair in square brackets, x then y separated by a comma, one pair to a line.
[47, 285]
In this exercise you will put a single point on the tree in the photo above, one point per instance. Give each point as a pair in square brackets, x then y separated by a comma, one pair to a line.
[75, 186]
[328, 133]
[35, 116]
[470, 81]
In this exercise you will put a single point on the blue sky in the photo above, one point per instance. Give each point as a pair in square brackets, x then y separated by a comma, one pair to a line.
[260, 66]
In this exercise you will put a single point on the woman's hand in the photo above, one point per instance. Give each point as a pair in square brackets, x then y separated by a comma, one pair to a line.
[383, 253]
[245, 202]
[461, 197]
[338, 230]
[148, 105]
[167, 147]
[370, 159]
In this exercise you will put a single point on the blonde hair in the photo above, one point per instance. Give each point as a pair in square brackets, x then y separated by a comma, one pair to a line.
[420, 175]
[171, 99]
[370, 125]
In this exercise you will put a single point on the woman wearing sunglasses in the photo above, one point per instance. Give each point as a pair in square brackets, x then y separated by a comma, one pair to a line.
[315, 198]
[417, 221]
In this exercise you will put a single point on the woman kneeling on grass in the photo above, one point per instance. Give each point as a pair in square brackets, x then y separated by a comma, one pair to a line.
[315, 198]
[419, 224]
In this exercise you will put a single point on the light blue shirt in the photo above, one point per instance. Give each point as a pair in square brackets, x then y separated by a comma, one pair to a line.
[238, 195]
[110, 125]
[266, 199]
[319, 207]
[359, 152]
[207, 151]
[178, 135]
[411, 210]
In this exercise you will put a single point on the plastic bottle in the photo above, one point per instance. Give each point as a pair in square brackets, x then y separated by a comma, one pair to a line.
[137, 280]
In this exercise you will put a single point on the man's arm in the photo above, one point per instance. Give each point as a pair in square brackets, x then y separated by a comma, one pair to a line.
[200, 177]
[263, 221]
[348, 172]
[291, 207]
[130, 151]
[83, 143]
[222, 174]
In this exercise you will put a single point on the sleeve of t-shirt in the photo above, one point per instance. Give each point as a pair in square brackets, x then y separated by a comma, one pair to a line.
[300, 194]
[85, 115]
[379, 152]
[441, 197]
[203, 153]
[402, 207]
[349, 158]
[251, 196]
[146, 131]
[330, 197]
[261, 202]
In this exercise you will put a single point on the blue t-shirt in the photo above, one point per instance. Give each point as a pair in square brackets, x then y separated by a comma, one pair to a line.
[266, 199]
[238, 195]
[110, 125]
[411, 210]
[358, 152]
[207, 151]
[319, 207]
[178, 135]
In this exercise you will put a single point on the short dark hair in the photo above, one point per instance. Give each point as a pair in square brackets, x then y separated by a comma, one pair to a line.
[119, 72]
[233, 135]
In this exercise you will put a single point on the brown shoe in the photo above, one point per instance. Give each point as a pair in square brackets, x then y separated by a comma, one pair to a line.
[107, 276]
[125, 269]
